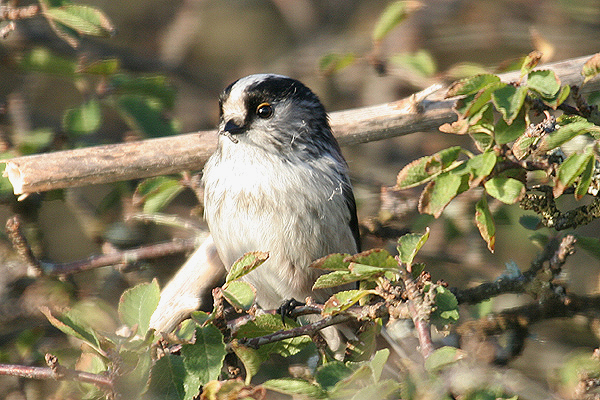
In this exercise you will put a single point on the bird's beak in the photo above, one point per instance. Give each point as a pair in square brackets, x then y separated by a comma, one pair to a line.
[232, 128]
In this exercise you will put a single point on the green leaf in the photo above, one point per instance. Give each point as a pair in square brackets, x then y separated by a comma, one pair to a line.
[347, 387]
[239, 294]
[485, 222]
[336, 278]
[378, 390]
[146, 115]
[42, 60]
[132, 382]
[84, 119]
[246, 264]
[464, 70]
[368, 271]
[481, 99]
[137, 305]
[585, 179]
[368, 339]
[82, 19]
[332, 262]
[157, 193]
[505, 133]
[442, 357]
[341, 301]
[102, 67]
[509, 100]
[200, 317]
[410, 244]
[293, 386]
[378, 362]
[420, 62]
[589, 244]
[591, 68]
[393, 15]
[426, 168]
[471, 85]
[507, 190]
[374, 258]
[543, 82]
[265, 324]
[334, 62]
[166, 379]
[477, 168]
[483, 141]
[523, 146]
[186, 329]
[570, 170]
[328, 375]
[530, 62]
[446, 307]
[155, 87]
[566, 133]
[558, 99]
[35, 141]
[203, 359]
[73, 326]
[438, 193]
[250, 357]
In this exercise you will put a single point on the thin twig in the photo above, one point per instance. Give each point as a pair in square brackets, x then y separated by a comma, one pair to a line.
[522, 317]
[57, 372]
[418, 312]
[22, 247]
[555, 253]
[129, 256]
[309, 329]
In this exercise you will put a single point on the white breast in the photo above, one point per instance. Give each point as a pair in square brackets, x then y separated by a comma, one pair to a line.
[295, 210]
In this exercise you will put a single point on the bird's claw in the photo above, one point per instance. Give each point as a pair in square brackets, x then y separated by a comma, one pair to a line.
[287, 307]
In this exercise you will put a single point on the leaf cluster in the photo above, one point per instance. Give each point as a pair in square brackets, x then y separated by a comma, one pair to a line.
[143, 368]
[498, 117]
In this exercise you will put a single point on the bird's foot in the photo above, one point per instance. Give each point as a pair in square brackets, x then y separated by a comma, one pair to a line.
[287, 307]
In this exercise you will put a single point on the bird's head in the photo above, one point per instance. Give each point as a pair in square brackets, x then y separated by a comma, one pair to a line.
[274, 112]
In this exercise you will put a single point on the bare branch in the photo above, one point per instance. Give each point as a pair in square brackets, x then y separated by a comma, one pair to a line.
[522, 317]
[37, 267]
[309, 329]
[129, 256]
[22, 247]
[555, 253]
[56, 372]
[424, 111]
[419, 312]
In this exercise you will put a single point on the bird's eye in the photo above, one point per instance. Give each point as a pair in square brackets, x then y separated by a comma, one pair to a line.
[264, 110]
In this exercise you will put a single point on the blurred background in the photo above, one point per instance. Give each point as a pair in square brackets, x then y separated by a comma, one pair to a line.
[199, 47]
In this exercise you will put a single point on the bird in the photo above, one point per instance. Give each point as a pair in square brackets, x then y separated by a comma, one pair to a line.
[278, 182]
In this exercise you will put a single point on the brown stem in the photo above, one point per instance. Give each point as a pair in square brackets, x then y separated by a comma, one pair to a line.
[122, 257]
[418, 311]
[524, 316]
[309, 329]
[56, 372]
[555, 253]
[125, 257]
[21, 245]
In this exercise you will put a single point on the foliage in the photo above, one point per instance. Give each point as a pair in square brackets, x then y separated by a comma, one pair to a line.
[517, 128]
[509, 146]
[200, 360]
